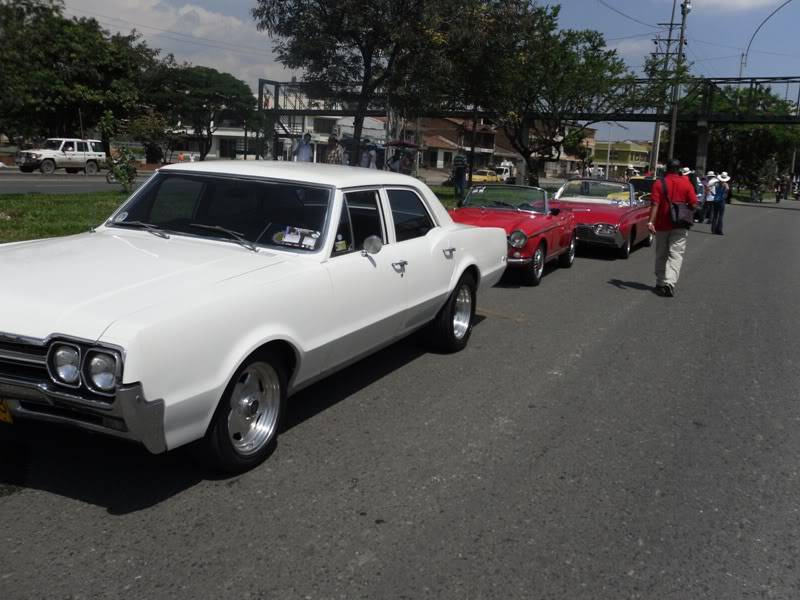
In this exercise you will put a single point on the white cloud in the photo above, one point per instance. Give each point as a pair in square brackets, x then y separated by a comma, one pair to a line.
[192, 33]
[737, 5]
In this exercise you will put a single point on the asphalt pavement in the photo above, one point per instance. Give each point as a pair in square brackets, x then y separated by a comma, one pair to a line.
[593, 441]
[14, 182]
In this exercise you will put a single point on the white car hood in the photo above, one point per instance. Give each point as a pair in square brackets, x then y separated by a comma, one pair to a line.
[80, 285]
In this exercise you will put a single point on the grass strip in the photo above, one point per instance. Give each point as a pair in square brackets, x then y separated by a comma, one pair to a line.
[32, 216]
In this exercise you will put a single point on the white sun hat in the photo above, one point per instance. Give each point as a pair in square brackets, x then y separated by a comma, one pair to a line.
[723, 177]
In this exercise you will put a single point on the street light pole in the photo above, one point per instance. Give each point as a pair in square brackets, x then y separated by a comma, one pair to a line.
[686, 7]
[743, 62]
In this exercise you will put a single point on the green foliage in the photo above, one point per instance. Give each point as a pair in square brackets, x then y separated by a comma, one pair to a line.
[201, 98]
[59, 73]
[154, 132]
[553, 73]
[123, 168]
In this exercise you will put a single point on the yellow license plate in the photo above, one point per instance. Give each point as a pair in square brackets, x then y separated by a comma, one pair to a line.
[5, 413]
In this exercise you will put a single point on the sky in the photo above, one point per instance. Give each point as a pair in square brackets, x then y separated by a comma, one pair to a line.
[222, 34]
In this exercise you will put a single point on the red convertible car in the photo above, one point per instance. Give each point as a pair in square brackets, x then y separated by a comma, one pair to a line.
[608, 213]
[536, 232]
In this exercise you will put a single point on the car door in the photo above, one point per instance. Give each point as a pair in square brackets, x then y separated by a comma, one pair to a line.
[69, 154]
[425, 253]
[81, 154]
[369, 292]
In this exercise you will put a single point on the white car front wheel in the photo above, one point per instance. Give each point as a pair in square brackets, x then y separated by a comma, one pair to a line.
[244, 428]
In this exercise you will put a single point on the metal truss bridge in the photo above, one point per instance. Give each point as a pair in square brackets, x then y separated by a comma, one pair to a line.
[703, 101]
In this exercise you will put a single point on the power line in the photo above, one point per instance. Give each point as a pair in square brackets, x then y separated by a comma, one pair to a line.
[627, 16]
[191, 39]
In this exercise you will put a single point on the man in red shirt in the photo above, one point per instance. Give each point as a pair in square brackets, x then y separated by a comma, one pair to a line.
[670, 240]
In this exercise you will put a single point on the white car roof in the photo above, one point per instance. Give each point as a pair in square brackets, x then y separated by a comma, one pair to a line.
[315, 173]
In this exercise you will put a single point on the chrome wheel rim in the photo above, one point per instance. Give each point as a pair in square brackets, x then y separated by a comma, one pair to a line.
[572, 245]
[254, 405]
[538, 262]
[462, 312]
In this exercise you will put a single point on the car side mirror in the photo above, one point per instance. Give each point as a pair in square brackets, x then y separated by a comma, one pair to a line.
[555, 211]
[372, 245]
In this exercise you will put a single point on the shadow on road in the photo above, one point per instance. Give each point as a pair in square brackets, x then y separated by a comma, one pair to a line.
[123, 477]
[630, 285]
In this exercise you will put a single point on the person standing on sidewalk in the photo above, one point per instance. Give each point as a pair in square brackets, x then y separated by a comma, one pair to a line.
[723, 190]
[670, 240]
[459, 173]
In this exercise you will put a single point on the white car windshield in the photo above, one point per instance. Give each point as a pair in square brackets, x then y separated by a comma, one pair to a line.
[506, 197]
[252, 212]
[595, 190]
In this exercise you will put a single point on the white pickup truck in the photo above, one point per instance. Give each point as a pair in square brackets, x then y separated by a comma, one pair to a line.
[71, 154]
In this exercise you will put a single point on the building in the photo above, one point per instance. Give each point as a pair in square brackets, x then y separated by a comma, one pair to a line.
[620, 157]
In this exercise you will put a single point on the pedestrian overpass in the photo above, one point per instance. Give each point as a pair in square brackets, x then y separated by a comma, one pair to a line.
[702, 101]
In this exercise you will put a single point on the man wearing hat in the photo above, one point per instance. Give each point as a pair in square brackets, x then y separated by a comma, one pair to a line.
[718, 210]
[670, 240]
[710, 196]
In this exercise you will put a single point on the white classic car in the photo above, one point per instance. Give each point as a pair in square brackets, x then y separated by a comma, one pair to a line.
[220, 288]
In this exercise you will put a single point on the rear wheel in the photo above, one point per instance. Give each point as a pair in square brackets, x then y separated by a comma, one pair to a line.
[568, 257]
[91, 168]
[244, 429]
[532, 274]
[47, 167]
[450, 330]
[110, 177]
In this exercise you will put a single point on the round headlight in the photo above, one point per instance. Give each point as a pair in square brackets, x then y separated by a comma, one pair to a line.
[102, 371]
[517, 239]
[66, 364]
[604, 229]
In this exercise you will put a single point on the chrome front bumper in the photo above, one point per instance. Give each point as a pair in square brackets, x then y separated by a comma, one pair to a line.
[586, 235]
[129, 415]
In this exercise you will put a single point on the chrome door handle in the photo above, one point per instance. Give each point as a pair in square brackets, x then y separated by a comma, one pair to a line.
[449, 252]
[400, 266]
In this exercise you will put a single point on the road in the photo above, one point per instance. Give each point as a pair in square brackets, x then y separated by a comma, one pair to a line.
[14, 182]
[594, 441]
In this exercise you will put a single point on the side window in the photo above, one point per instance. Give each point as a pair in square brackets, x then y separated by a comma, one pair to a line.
[81, 146]
[97, 146]
[360, 218]
[68, 147]
[411, 218]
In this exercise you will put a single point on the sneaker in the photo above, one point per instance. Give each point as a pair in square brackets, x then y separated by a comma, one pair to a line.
[660, 290]
[669, 291]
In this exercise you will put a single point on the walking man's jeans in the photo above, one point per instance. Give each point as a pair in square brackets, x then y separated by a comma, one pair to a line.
[458, 183]
[716, 216]
[670, 246]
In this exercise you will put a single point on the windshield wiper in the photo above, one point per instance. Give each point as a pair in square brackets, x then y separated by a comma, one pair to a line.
[239, 237]
[154, 229]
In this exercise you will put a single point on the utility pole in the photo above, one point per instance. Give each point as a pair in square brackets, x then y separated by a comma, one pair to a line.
[656, 146]
[686, 8]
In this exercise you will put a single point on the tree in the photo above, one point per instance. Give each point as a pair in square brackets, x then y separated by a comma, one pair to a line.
[551, 75]
[202, 98]
[60, 75]
[351, 46]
